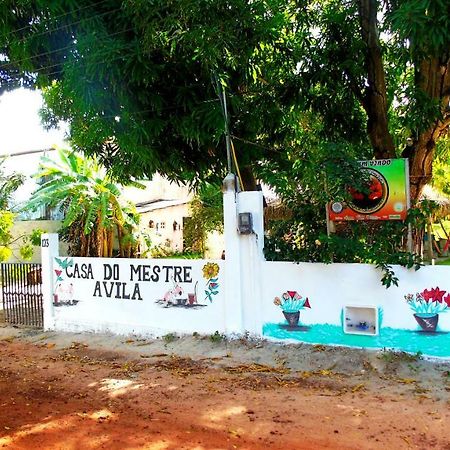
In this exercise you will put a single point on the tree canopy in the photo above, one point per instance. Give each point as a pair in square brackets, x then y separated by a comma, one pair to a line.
[138, 80]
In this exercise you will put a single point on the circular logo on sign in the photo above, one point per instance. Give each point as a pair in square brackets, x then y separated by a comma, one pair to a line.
[336, 207]
[373, 198]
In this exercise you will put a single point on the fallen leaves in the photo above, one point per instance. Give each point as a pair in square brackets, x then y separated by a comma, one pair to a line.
[259, 368]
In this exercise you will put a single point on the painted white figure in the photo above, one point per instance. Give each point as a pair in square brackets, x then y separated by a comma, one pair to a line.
[64, 294]
[172, 295]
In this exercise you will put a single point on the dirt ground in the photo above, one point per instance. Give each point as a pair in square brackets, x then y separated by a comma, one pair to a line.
[93, 391]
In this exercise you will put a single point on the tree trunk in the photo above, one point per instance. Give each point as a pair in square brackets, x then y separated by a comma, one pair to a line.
[433, 78]
[375, 99]
[248, 179]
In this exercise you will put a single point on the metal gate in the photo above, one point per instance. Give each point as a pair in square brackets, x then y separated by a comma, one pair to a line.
[22, 294]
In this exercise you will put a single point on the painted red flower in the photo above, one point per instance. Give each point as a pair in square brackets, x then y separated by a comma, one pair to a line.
[434, 295]
[447, 300]
[426, 294]
[306, 304]
[438, 295]
[58, 272]
[291, 293]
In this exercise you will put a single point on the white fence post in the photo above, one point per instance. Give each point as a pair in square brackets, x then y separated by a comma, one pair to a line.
[252, 256]
[233, 303]
[243, 257]
[49, 249]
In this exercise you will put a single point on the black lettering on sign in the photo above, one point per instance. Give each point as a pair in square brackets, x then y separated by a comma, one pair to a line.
[156, 272]
[187, 274]
[111, 271]
[168, 270]
[117, 289]
[45, 243]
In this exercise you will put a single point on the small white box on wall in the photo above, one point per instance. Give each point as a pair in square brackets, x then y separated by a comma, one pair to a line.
[361, 320]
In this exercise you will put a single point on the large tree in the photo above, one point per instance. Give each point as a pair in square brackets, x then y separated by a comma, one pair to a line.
[139, 81]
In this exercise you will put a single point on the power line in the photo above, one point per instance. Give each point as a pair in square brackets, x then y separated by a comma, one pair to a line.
[68, 63]
[27, 152]
[57, 17]
[15, 62]
[95, 16]
[64, 66]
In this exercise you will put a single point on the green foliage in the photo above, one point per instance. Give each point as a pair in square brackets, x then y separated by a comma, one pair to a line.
[392, 356]
[8, 184]
[306, 182]
[92, 205]
[217, 337]
[7, 241]
[206, 216]
[169, 338]
[138, 84]
[35, 236]
[441, 167]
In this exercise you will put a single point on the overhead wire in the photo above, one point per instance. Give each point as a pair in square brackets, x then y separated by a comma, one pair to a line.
[67, 63]
[233, 152]
[17, 30]
[51, 52]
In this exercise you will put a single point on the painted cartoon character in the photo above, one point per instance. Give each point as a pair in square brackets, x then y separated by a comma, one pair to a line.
[172, 295]
[63, 294]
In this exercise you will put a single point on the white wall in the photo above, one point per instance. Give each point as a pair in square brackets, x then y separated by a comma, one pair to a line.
[24, 228]
[247, 287]
[168, 216]
[89, 297]
[330, 287]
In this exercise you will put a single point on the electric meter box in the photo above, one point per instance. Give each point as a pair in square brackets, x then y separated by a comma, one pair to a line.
[245, 223]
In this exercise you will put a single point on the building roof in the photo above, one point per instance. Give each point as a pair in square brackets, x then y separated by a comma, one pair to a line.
[153, 205]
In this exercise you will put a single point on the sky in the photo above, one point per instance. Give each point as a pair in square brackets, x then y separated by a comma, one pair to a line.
[20, 131]
[20, 127]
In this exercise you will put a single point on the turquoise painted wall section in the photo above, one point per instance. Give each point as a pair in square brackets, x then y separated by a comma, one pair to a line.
[350, 297]
[413, 341]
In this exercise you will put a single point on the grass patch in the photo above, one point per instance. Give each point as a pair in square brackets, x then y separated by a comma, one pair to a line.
[391, 356]
[443, 262]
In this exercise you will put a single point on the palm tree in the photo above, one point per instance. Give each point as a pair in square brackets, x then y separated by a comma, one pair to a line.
[91, 201]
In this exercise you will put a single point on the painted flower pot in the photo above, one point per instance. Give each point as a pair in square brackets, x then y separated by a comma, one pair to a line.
[292, 318]
[428, 322]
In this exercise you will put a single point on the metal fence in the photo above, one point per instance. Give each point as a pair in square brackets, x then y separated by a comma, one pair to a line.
[22, 294]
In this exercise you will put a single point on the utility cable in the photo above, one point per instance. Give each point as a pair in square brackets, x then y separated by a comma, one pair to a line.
[236, 165]
[67, 47]
[17, 30]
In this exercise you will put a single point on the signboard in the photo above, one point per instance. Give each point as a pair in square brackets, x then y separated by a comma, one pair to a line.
[387, 196]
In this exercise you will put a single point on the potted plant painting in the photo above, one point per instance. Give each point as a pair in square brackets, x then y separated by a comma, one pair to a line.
[427, 305]
[291, 303]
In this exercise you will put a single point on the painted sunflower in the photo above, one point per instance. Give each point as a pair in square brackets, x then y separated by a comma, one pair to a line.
[210, 270]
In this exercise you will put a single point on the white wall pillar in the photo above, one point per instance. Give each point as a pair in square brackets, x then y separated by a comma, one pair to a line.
[243, 258]
[49, 249]
[233, 303]
[252, 255]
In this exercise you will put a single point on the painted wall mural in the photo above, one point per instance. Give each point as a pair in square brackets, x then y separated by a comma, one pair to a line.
[178, 297]
[63, 290]
[426, 307]
[352, 308]
[211, 274]
[106, 293]
[291, 303]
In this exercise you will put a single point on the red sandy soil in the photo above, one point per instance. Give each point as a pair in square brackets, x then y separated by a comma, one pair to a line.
[80, 397]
